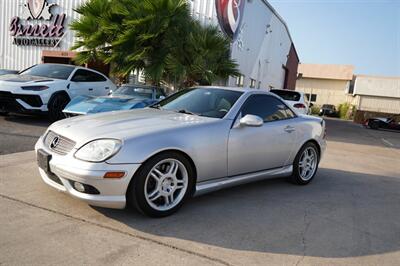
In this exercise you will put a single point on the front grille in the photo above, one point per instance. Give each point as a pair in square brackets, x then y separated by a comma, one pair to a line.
[32, 100]
[63, 145]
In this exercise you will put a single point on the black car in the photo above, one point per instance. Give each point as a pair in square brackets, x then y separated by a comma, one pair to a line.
[385, 123]
[328, 110]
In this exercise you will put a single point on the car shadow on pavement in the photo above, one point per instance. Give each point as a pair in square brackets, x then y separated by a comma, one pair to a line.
[340, 214]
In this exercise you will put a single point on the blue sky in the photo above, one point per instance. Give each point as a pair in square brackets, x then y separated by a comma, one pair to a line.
[363, 33]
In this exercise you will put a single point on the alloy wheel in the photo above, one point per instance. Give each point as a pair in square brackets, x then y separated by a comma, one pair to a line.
[308, 163]
[166, 184]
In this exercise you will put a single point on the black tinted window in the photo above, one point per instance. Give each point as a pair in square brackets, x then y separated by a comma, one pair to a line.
[267, 107]
[83, 75]
[287, 95]
[159, 93]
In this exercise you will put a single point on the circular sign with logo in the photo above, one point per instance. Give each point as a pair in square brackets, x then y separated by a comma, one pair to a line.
[230, 13]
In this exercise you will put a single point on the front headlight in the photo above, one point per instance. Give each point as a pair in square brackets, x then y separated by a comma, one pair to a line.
[34, 88]
[98, 150]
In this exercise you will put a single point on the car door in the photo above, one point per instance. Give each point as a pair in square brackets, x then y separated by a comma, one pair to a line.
[252, 149]
[99, 83]
[81, 83]
[87, 82]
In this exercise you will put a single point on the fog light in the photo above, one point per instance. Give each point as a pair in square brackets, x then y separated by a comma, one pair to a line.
[80, 187]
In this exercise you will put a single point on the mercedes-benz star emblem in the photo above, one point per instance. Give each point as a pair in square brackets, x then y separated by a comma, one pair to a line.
[54, 142]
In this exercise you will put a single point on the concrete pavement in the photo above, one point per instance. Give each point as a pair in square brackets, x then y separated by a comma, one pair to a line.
[350, 214]
[19, 133]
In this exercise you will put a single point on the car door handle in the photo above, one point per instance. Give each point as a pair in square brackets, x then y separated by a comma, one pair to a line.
[90, 89]
[107, 88]
[289, 129]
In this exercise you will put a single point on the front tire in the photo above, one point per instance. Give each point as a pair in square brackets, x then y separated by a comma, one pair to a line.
[373, 124]
[56, 105]
[305, 164]
[161, 185]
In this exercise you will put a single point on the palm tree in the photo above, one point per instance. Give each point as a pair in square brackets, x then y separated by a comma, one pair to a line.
[204, 58]
[157, 36]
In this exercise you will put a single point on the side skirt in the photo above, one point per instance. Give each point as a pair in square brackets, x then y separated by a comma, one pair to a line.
[225, 182]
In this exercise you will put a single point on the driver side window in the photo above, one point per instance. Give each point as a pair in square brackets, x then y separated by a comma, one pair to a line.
[82, 75]
[267, 107]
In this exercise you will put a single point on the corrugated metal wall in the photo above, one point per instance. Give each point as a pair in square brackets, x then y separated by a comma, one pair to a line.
[378, 86]
[262, 46]
[204, 11]
[260, 50]
[20, 57]
[379, 104]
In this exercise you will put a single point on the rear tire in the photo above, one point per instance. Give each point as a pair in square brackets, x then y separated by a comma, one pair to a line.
[161, 185]
[56, 104]
[305, 164]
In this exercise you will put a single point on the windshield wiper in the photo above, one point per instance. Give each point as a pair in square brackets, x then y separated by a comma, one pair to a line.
[156, 106]
[184, 111]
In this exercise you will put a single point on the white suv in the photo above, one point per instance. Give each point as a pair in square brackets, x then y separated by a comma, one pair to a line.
[49, 88]
[293, 98]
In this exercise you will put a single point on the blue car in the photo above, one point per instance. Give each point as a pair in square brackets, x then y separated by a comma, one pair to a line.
[126, 97]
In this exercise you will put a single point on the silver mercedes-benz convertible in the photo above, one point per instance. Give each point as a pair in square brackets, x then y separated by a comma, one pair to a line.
[195, 141]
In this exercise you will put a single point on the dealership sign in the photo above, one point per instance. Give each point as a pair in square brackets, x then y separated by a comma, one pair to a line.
[27, 31]
[230, 13]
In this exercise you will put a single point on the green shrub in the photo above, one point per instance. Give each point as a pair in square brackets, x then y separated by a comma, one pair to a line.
[345, 111]
[315, 110]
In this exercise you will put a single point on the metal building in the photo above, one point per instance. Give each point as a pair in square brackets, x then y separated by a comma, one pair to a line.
[261, 43]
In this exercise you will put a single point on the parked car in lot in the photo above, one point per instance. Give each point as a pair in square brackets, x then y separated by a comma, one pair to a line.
[384, 123]
[195, 141]
[49, 87]
[126, 97]
[328, 110]
[293, 98]
[7, 71]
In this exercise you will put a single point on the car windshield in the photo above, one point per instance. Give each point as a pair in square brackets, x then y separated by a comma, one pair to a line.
[201, 101]
[328, 106]
[49, 71]
[287, 95]
[138, 92]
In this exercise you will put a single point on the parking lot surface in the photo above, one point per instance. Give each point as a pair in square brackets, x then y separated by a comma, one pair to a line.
[350, 214]
[20, 133]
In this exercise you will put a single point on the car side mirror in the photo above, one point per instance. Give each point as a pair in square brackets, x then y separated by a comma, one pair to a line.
[251, 121]
[311, 105]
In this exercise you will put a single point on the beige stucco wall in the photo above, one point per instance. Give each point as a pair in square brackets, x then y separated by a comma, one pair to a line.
[328, 91]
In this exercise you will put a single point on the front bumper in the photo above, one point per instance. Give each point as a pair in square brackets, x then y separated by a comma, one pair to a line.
[21, 103]
[65, 170]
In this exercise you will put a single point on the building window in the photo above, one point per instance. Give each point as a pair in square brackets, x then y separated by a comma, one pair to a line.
[312, 99]
[252, 83]
[239, 81]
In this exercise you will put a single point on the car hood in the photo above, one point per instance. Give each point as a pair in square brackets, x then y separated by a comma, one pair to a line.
[125, 124]
[23, 78]
[13, 83]
[91, 105]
